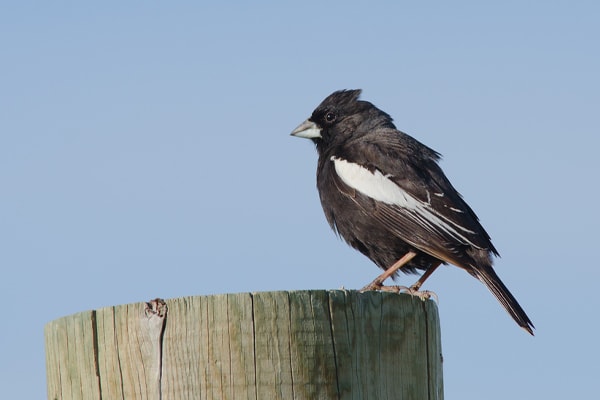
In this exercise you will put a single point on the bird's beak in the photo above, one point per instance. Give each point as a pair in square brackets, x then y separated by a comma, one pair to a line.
[308, 130]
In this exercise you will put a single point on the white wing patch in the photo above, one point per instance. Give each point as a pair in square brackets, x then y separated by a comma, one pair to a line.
[379, 187]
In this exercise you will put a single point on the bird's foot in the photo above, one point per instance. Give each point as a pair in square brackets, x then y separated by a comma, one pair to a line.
[375, 285]
[413, 290]
[422, 294]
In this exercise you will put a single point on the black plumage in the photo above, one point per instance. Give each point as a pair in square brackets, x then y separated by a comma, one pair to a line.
[384, 193]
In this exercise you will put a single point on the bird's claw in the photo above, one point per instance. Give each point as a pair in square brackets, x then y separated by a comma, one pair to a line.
[413, 291]
[422, 294]
[372, 286]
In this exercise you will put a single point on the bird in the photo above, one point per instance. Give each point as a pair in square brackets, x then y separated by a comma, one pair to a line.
[384, 193]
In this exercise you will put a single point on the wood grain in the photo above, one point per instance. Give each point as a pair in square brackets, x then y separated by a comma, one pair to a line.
[313, 344]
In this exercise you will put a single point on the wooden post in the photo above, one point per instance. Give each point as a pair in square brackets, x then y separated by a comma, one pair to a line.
[274, 345]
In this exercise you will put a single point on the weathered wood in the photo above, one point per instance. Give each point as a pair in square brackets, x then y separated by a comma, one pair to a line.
[273, 345]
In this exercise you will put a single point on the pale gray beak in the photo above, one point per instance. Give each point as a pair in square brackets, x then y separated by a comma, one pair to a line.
[308, 130]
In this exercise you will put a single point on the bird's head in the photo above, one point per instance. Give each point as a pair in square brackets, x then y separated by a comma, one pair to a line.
[341, 116]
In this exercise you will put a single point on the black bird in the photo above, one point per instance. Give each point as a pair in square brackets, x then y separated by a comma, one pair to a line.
[384, 193]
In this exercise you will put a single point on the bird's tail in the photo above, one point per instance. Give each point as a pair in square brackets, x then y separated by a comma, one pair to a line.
[489, 278]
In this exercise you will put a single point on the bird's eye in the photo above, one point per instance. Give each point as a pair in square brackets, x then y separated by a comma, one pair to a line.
[330, 117]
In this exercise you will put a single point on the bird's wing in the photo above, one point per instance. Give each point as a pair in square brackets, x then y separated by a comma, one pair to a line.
[397, 180]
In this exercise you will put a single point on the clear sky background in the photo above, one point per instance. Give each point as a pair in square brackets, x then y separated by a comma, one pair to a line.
[145, 152]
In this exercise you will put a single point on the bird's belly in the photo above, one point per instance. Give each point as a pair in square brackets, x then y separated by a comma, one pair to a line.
[367, 235]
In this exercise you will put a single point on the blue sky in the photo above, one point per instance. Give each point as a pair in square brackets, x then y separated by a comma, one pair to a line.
[145, 152]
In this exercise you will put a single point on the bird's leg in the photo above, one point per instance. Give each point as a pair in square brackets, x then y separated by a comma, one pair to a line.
[414, 289]
[378, 282]
[423, 278]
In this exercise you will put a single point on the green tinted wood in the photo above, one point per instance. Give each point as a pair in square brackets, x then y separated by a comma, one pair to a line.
[274, 345]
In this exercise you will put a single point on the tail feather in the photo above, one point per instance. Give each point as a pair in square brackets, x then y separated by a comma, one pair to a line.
[490, 279]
